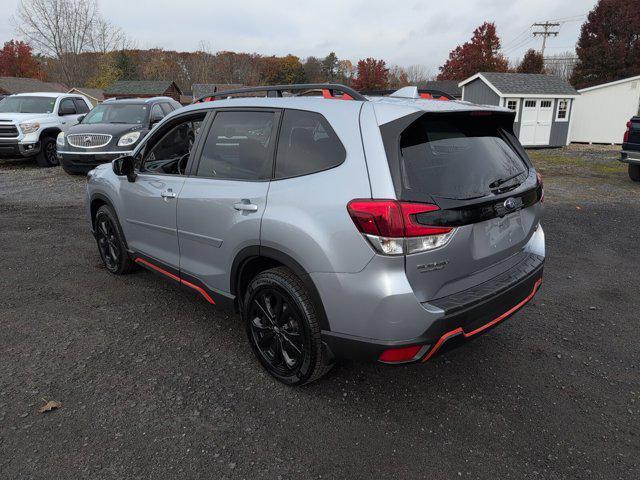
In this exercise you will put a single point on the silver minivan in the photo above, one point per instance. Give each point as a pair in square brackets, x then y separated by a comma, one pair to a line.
[386, 229]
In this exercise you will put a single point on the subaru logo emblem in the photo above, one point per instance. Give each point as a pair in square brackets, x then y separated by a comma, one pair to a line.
[510, 204]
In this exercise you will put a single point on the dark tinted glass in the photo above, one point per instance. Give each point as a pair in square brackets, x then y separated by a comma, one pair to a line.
[238, 147]
[307, 144]
[67, 103]
[456, 157]
[166, 108]
[170, 153]
[156, 112]
[81, 106]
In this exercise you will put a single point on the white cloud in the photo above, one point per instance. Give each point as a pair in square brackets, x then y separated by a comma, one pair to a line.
[402, 32]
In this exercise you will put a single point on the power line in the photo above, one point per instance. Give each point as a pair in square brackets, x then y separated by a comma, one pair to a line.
[546, 32]
[525, 42]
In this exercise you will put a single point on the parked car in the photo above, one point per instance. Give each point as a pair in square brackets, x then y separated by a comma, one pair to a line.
[383, 229]
[110, 130]
[631, 148]
[30, 123]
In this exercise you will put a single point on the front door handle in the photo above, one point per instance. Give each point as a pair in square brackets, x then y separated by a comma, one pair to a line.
[168, 194]
[246, 206]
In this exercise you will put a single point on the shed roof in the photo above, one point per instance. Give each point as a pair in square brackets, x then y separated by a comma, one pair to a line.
[525, 84]
[140, 87]
[13, 85]
[96, 93]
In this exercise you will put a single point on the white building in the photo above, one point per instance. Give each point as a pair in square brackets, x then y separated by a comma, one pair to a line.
[602, 112]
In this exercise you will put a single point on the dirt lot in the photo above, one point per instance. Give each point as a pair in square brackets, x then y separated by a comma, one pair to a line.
[155, 383]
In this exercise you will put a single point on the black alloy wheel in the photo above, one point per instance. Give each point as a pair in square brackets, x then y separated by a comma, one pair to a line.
[277, 331]
[111, 244]
[283, 327]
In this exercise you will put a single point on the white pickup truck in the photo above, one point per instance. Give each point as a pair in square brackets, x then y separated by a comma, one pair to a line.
[30, 123]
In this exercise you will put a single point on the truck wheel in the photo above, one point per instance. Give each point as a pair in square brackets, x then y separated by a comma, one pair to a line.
[634, 172]
[48, 156]
[282, 326]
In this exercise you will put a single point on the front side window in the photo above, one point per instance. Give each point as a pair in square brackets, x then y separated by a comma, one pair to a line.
[307, 144]
[563, 111]
[457, 157]
[27, 104]
[67, 107]
[169, 152]
[239, 146]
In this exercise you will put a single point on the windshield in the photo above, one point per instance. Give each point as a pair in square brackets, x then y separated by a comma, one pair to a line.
[27, 105]
[457, 157]
[117, 113]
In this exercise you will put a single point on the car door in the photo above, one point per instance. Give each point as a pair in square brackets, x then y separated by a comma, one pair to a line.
[68, 113]
[150, 201]
[221, 204]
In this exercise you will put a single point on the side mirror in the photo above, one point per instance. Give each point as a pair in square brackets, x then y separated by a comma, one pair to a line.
[124, 167]
[80, 118]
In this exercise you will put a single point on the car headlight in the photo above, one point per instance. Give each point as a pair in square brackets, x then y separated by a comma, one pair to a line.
[60, 139]
[29, 127]
[128, 139]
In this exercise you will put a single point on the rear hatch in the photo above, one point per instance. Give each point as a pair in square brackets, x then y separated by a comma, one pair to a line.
[472, 167]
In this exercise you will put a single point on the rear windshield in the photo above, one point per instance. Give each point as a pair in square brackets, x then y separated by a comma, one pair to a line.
[117, 113]
[457, 157]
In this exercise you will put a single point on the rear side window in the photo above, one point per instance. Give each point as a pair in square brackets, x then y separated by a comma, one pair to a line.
[307, 144]
[456, 157]
[166, 108]
[239, 146]
[81, 106]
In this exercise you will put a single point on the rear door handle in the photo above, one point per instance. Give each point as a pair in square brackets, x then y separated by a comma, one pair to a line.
[168, 194]
[246, 206]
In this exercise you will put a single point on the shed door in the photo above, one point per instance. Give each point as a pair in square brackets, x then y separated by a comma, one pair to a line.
[535, 127]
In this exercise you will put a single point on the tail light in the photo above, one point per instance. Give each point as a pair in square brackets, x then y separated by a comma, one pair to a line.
[541, 186]
[625, 139]
[391, 226]
[403, 354]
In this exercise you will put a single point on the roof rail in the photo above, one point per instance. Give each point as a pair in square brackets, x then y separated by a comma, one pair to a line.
[425, 93]
[328, 90]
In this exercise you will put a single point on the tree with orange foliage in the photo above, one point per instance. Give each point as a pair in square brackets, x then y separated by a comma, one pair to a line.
[481, 54]
[16, 60]
[371, 74]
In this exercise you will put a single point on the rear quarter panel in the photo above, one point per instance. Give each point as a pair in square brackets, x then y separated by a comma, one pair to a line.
[306, 217]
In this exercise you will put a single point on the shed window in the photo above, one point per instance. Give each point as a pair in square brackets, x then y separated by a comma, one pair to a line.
[545, 104]
[530, 103]
[563, 111]
[513, 104]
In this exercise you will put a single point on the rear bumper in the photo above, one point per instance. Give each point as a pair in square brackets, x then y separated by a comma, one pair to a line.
[630, 156]
[15, 149]
[83, 162]
[466, 315]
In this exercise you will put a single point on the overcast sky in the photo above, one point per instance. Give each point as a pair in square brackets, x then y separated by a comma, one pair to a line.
[403, 32]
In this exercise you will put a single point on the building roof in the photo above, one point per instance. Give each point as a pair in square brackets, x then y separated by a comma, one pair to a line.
[203, 89]
[524, 84]
[96, 93]
[12, 85]
[140, 87]
[610, 84]
[447, 86]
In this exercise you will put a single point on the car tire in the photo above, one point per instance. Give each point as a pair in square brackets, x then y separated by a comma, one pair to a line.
[282, 326]
[634, 172]
[111, 243]
[48, 155]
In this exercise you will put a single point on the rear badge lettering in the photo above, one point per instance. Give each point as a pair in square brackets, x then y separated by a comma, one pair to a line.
[432, 267]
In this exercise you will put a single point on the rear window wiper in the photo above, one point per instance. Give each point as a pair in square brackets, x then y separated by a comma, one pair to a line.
[501, 181]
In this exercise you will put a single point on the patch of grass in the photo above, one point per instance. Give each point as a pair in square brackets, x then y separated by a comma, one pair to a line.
[552, 160]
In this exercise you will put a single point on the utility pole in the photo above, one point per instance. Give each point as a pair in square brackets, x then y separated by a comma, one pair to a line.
[547, 26]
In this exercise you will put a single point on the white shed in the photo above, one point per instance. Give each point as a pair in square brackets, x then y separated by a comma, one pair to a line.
[601, 113]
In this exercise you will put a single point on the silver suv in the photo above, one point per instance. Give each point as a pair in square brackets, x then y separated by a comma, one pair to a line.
[337, 225]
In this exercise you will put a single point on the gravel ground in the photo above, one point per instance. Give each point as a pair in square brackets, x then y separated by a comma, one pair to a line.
[155, 383]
